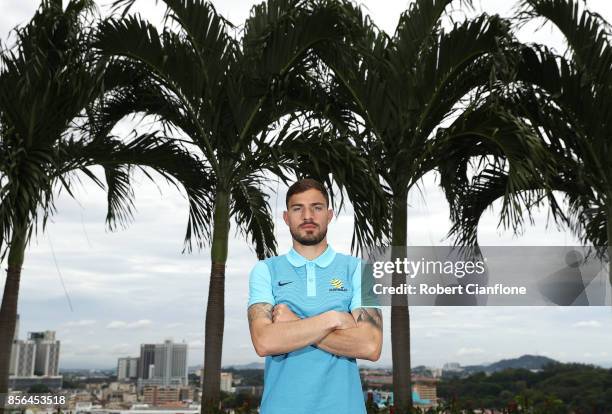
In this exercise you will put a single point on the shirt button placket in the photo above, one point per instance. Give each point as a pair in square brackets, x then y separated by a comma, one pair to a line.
[311, 281]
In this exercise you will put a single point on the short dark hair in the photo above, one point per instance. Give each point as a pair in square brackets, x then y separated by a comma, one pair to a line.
[306, 184]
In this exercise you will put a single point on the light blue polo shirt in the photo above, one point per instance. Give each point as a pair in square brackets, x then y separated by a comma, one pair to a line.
[310, 380]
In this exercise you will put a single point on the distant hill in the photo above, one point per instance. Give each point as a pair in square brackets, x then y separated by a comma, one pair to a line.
[531, 362]
[525, 361]
[252, 365]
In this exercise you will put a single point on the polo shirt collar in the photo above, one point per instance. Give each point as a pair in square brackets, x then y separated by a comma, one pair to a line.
[323, 260]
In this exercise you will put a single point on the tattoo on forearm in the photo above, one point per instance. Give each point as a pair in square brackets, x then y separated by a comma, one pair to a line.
[260, 310]
[370, 315]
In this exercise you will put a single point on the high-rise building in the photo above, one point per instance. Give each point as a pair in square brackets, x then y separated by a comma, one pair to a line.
[226, 381]
[167, 364]
[171, 363]
[47, 353]
[146, 361]
[23, 357]
[127, 368]
[34, 361]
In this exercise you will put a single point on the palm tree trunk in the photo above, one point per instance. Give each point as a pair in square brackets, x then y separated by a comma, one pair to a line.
[8, 310]
[609, 227]
[215, 310]
[400, 316]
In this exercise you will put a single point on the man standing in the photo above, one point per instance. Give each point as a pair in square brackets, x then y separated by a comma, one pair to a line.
[306, 317]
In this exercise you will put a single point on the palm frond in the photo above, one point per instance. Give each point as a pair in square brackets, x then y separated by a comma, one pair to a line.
[492, 141]
[417, 28]
[25, 193]
[253, 216]
[568, 111]
[280, 36]
[587, 33]
[167, 57]
[458, 62]
[203, 26]
[144, 152]
[130, 92]
[119, 197]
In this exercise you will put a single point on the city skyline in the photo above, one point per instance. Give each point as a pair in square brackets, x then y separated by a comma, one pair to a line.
[106, 293]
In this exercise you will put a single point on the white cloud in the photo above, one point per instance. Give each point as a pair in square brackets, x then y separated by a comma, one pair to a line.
[142, 323]
[469, 351]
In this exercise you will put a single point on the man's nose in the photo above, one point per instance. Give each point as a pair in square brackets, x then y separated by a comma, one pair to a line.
[307, 214]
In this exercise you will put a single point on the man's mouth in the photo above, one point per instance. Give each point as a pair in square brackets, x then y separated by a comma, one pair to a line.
[308, 226]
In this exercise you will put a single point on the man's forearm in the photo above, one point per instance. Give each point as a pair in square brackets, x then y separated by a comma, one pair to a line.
[283, 337]
[360, 342]
[363, 342]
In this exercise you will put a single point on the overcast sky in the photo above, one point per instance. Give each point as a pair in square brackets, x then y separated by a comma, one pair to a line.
[105, 293]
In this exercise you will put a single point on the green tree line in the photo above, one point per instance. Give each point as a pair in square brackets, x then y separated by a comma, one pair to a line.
[557, 388]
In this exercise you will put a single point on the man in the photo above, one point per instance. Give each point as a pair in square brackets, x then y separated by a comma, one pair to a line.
[306, 317]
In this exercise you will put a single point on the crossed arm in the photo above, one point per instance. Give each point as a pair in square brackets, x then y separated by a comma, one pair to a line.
[363, 342]
[277, 330]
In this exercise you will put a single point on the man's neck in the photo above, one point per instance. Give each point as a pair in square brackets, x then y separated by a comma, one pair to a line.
[310, 252]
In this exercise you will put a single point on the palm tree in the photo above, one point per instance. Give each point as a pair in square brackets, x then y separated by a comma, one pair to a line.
[229, 98]
[405, 88]
[47, 83]
[569, 102]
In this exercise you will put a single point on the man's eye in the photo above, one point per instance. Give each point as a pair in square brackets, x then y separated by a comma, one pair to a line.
[318, 208]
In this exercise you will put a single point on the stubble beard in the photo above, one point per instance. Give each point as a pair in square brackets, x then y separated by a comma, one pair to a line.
[309, 240]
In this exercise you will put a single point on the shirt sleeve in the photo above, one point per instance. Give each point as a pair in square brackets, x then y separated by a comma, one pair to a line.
[260, 285]
[357, 300]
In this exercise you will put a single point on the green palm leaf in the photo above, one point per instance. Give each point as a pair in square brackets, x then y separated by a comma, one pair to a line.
[587, 33]
[253, 215]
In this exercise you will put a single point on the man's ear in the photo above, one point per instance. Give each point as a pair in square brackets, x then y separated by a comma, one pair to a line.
[330, 215]
[286, 217]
